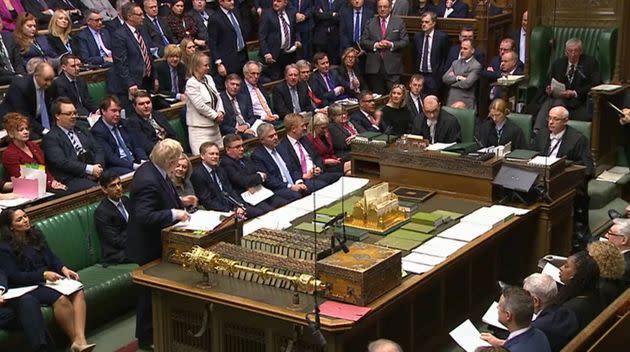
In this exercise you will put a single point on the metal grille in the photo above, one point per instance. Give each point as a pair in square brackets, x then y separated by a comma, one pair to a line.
[184, 324]
[239, 338]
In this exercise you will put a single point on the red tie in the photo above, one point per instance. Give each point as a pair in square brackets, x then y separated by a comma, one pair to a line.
[383, 28]
[145, 54]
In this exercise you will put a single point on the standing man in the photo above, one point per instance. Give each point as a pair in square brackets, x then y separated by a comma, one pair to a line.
[520, 38]
[291, 96]
[304, 24]
[70, 84]
[226, 40]
[455, 52]
[353, 21]
[462, 77]
[201, 17]
[431, 51]
[94, 42]
[154, 206]
[384, 39]
[414, 100]
[278, 39]
[326, 30]
[111, 217]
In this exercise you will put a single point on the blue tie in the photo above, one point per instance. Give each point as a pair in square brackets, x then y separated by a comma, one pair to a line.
[357, 27]
[157, 24]
[282, 166]
[122, 210]
[43, 113]
[215, 177]
[240, 43]
[121, 144]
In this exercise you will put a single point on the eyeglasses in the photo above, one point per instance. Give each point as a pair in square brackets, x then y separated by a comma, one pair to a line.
[70, 114]
[610, 233]
[237, 146]
[96, 19]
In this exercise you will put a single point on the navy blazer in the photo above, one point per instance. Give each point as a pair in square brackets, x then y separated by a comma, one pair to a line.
[21, 97]
[266, 164]
[531, 340]
[269, 30]
[282, 102]
[163, 75]
[57, 46]
[152, 198]
[307, 8]
[145, 133]
[203, 29]
[318, 85]
[559, 324]
[228, 125]
[27, 269]
[293, 161]
[87, 48]
[242, 174]
[61, 157]
[110, 148]
[112, 230]
[128, 61]
[208, 191]
[495, 63]
[325, 22]
[460, 9]
[154, 33]
[80, 95]
[247, 99]
[346, 24]
[439, 52]
[362, 124]
[222, 41]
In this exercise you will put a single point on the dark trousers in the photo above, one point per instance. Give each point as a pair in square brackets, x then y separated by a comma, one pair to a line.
[382, 82]
[25, 312]
[275, 71]
[144, 316]
[432, 84]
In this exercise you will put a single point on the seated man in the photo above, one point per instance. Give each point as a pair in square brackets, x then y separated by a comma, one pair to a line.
[509, 65]
[122, 153]
[303, 162]
[438, 126]
[110, 218]
[619, 235]
[70, 84]
[327, 85]
[516, 308]
[243, 172]
[239, 116]
[254, 96]
[462, 77]
[365, 119]
[214, 189]
[304, 70]
[274, 165]
[497, 68]
[579, 73]
[72, 153]
[148, 126]
[291, 96]
[94, 43]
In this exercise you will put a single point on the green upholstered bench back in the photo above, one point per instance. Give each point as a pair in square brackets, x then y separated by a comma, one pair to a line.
[72, 237]
[466, 119]
[180, 131]
[97, 91]
[524, 122]
[584, 127]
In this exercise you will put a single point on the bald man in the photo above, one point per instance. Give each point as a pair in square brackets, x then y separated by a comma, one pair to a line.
[31, 96]
[437, 125]
[384, 345]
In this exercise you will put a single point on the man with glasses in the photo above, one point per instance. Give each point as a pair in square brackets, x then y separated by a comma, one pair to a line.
[72, 153]
[438, 126]
[94, 42]
[619, 235]
[365, 118]
[254, 95]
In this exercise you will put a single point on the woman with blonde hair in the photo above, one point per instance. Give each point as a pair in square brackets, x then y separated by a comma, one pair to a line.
[181, 177]
[612, 266]
[396, 117]
[188, 49]
[58, 36]
[349, 70]
[499, 130]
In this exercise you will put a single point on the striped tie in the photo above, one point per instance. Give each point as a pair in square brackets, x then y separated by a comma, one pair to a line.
[145, 55]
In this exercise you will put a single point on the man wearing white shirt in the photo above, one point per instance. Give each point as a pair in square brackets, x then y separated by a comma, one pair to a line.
[520, 38]
[431, 48]
[257, 97]
[94, 42]
[619, 235]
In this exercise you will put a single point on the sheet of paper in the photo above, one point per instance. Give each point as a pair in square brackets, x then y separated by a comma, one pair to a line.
[440, 247]
[18, 292]
[552, 271]
[260, 193]
[422, 258]
[465, 231]
[205, 220]
[509, 209]
[467, 336]
[65, 286]
[344, 186]
[557, 88]
[439, 146]
[619, 170]
[343, 311]
[252, 225]
[7, 203]
[488, 216]
[415, 268]
[606, 87]
[492, 316]
[542, 160]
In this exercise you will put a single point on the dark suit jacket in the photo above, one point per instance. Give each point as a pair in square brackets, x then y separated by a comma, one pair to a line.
[496, 66]
[325, 23]
[416, 113]
[208, 191]
[64, 87]
[154, 33]
[346, 24]
[447, 129]
[112, 230]
[586, 76]
[110, 148]
[163, 75]
[57, 46]
[203, 29]
[26, 271]
[293, 161]
[61, 157]
[242, 174]
[574, 147]
[6, 313]
[128, 61]
[152, 198]
[453, 54]
[228, 125]
[33, 7]
[222, 41]
[70, 5]
[21, 97]
[362, 124]
[282, 102]
[339, 134]
[318, 85]
[307, 8]
[17, 61]
[510, 133]
[247, 99]
[460, 9]
[626, 274]
[145, 133]
[266, 164]
[559, 325]
[269, 30]
[342, 71]
[438, 55]
[87, 48]
[531, 340]
[113, 25]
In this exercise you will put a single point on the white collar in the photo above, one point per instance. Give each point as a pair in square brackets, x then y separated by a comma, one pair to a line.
[515, 333]
[557, 136]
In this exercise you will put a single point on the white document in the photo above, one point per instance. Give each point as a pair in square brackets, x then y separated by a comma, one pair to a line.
[252, 225]
[65, 286]
[552, 271]
[421, 258]
[467, 336]
[557, 88]
[542, 160]
[260, 193]
[204, 220]
[18, 292]
[492, 316]
[344, 186]
[439, 247]
[606, 87]
[439, 146]
[415, 268]
[465, 231]
[516, 211]
[311, 202]
[8, 203]
[487, 216]
[619, 170]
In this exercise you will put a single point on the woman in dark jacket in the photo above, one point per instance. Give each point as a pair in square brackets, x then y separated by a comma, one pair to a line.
[580, 275]
[182, 25]
[342, 131]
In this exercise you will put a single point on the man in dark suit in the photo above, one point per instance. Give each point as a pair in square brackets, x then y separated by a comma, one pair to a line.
[327, 85]
[201, 15]
[519, 36]
[384, 39]
[226, 39]
[274, 165]
[303, 162]
[11, 61]
[278, 38]
[115, 24]
[326, 28]
[159, 31]
[291, 96]
[438, 126]
[122, 152]
[31, 96]
[244, 175]
[452, 9]
[619, 235]
[70, 84]
[454, 52]
[72, 154]
[41, 9]
[365, 118]
[415, 97]
[94, 42]
[111, 217]
[435, 42]
[255, 96]
[171, 74]
[304, 11]
[352, 22]
[133, 62]
[494, 71]
[148, 126]
[239, 116]
[154, 206]
[509, 64]
[579, 73]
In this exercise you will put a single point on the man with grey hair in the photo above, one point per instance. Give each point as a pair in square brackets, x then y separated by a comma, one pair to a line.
[291, 96]
[254, 95]
[619, 235]
[384, 345]
[437, 125]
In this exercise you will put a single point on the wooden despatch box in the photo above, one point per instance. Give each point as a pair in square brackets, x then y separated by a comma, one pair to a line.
[179, 240]
[361, 275]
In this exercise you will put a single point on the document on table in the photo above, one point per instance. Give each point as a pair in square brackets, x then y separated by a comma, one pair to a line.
[204, 220]
[65, 286]
[465, 231]
[439, 247]
[552, 271]
[415, 268]
[439, 146]
[8, 203]
[492, 316]
[467, 337]
[422, 258]
[18, 292]
[260, 193]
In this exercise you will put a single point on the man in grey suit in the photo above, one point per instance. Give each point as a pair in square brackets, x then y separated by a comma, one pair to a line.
[462, 77]
[400, 7]
[384, 39]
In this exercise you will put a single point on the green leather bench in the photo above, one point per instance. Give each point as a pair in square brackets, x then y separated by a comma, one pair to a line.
[466, 119]
[109, 292]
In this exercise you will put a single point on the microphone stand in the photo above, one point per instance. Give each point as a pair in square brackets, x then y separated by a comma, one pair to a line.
[239, 229]
[335, 236]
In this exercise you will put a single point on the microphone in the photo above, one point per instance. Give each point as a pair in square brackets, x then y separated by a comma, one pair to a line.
[314, 326]
[478, 142]
[334, 220]
[578, 70]
[233, 201]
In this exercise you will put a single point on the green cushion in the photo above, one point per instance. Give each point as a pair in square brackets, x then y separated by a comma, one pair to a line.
[182, 135]
[524, 122]
[466, 119]
[253, 55]
[583, 127]
[601, 193]
[599, 217]
[622, 160]
[97, 91]
[1, 171]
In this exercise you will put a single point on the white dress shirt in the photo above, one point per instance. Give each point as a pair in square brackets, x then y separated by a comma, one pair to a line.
[555, 142]
[294, 143]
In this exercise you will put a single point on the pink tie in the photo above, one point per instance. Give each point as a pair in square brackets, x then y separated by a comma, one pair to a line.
[302, 157]
[383, 28]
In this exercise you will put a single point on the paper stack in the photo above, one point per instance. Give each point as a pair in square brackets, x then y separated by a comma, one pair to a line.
[465, 231]
[489, 216]
[439, 247]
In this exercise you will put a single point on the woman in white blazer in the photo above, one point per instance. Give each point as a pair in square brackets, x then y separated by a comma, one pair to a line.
[204, 109]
